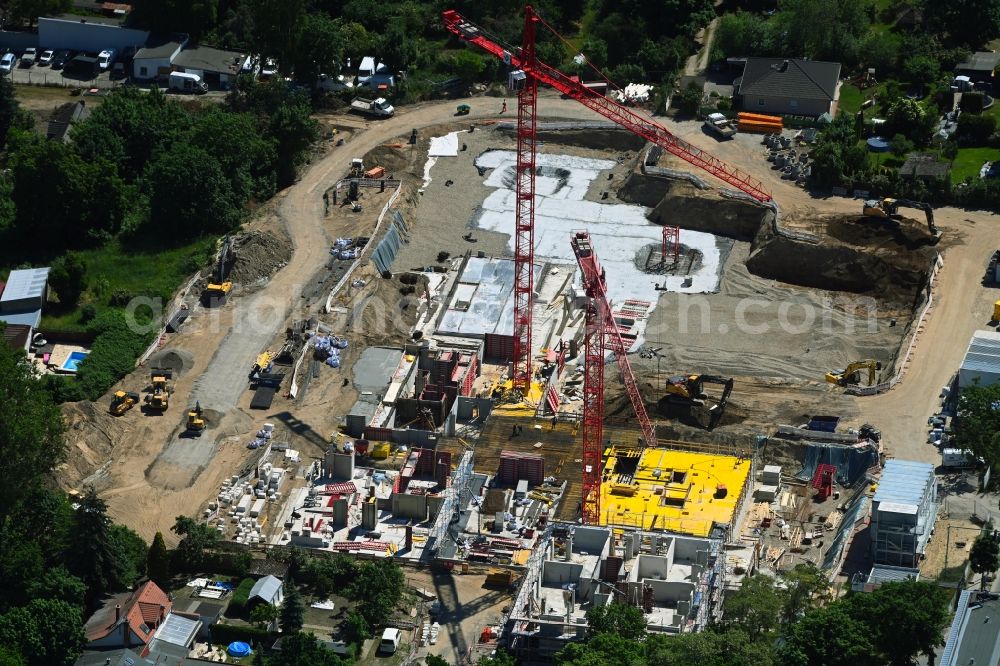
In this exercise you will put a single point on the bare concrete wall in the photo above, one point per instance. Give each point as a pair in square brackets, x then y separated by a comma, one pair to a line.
[409, 506]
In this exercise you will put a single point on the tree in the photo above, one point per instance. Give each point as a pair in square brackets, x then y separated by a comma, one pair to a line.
[901, 146]
[977, 427]
[434, 660]
[44, 632]
[909, 118]
[245, 154]
[67, 276]
[378, 586]
[714, 647]
[11, 114]
[968, 22]
[300, 648]
[291, 616]
[690, 99]
[356, 627]
[94, 559]
[319, 48]
[195, 539]
[904, 619]
[58, 584]
[131, 550]
[31, 432]
[467, 65]
[501, 658]
[619, 619]
[263, 615]
[158, 561]
[189, 194]
[743, 34]
[975, 130]
[831, 636]
[28, 11]
[803, 583]
[921, 70]
[596, 51]
[602, 650]
[755, 607]
[985, 555]
[294, 131]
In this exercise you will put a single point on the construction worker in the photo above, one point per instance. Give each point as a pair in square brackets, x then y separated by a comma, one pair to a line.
[503, 109]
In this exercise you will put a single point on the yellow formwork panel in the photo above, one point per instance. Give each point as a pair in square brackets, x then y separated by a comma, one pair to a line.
[674, 491]
[524, 408]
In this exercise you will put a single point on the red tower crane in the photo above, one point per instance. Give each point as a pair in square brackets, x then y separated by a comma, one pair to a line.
[528, 72]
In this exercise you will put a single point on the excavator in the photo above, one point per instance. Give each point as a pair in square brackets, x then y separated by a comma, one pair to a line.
[159, 397]
[262, 365]
[889, 209]
[689, 390]
[122, 402]
[852, 373]
[195, 422]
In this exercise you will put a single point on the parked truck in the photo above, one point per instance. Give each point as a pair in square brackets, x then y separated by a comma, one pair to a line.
[187, 82]
[720, 125]
[379, 107]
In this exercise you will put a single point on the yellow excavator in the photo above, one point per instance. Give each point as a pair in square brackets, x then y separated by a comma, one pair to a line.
[852, 373]
[158, 398]
[261, 365]
[195, 421]
[123, 401]
[689, 390]
[889, 209]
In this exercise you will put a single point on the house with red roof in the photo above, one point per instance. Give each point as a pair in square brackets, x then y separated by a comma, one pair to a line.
[128, 620]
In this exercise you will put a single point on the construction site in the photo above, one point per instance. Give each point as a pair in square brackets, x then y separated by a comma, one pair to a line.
[575, 348]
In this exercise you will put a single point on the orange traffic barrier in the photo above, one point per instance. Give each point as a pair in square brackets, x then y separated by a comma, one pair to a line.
[757, 117]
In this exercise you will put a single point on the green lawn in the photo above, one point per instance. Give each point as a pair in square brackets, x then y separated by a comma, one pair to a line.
[886, 160]
[851, 98]
[147, 271]
[970, 160]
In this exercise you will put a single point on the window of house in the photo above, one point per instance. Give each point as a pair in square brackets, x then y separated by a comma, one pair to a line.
[142, 71]
[760, 102]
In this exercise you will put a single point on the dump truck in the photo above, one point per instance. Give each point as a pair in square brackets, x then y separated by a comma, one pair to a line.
[719, 125]
[122, 402]
[158, 398]
[379, 108]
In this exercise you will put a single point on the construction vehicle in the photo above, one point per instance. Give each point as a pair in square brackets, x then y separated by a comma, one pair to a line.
[195, 421]
[688, 390]
[889, 209]
[526, 73]
[215, 294]
[852, 373]
[123, 401]
[357, 168]
[379, 108]
[158, 398]
[719, 125]
[262, 365]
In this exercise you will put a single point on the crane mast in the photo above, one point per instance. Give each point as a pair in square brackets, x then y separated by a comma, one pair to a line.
[600, 331]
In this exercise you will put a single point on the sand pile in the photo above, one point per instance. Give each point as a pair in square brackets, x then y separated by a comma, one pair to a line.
[259, 254]
[177, 361]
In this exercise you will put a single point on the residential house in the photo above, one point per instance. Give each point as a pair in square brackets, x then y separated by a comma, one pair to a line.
[156, 58]
[128, 620]
[789, 86]
[979, 67]
[123, 657]
[21, 301]
[268, 590]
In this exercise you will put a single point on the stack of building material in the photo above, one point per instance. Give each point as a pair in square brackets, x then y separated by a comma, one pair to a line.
[755, 122]
[515, 466]
[771, 476]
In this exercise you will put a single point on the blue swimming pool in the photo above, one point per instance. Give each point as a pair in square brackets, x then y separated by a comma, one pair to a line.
[71, 363]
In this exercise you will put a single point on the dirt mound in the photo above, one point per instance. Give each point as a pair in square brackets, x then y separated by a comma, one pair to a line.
[393, 159]
[177, 361]
[259, 254]
[849, 257]
[94, 438]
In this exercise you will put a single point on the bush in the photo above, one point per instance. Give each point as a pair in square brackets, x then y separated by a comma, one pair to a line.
[241, 594]
[224, 634]
[975, 130]
[972, 102]
[112, 356]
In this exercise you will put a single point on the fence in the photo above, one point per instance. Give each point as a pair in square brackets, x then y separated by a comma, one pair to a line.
[55, 79]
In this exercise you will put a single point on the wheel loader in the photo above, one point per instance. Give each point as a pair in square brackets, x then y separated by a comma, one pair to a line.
[122, 402]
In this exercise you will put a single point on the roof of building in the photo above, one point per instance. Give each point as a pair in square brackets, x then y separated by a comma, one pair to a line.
[981, 61]
[25, 283]
[74, 18]
[178, 629]
[885, 573]
[17, 335]
[161, 46]
[800, 79]
[482, 300]
[209, 59]
[267, 588]
[142, 609]
[30, 318]
[973, 638]
[923, 166]
[904, 482]
[122, 657]
[64, 117]
[983, 354]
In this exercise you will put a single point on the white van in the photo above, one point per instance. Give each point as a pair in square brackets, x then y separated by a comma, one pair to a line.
[187, 82]
[390, 641]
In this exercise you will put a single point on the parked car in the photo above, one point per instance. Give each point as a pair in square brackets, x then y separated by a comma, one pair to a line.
[60, 59]
[28, 57]
[268, 69]
[46, 57]
[7, 63]
[106, 58]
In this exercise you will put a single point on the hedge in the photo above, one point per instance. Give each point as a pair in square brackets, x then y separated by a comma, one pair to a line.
[113, 354]
[224, 634]
[242, 594]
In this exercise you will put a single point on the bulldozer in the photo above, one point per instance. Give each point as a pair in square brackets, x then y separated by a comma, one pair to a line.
[689, 390]
[158, 398]
[889, 209]
[195, 421]
[122, 402]
[852, 373]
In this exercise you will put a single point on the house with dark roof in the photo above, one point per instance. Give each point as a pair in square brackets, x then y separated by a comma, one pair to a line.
[979, 67]
[156, 58]
[128, 620]
[789, 86]
[123, 657]
[925, 167]
[63, 119]
[216, 67]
